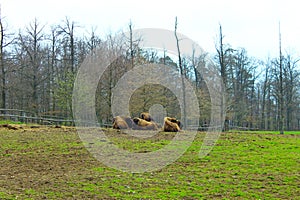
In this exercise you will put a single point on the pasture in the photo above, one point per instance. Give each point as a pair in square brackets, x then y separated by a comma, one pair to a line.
[52, 163]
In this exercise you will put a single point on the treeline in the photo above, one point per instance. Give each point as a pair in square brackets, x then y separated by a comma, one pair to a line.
[39, 65]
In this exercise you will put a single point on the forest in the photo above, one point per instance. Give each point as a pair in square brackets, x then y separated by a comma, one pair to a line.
[39, 65]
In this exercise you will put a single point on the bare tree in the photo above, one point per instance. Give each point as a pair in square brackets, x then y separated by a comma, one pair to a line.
[280, 97]
[290, 80]
[93, 41]
[53, 71]
[264, 96]
[182, 73]
[68, 29]
[131, 45]
[3, 45]
[30, 43]
[134, 53]
[223, 54]
[2, 64]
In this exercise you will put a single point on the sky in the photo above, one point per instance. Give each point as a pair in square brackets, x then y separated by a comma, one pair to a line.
[253, 25]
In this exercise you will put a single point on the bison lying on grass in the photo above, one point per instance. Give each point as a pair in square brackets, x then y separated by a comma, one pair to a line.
[171, 125]
[145, 122]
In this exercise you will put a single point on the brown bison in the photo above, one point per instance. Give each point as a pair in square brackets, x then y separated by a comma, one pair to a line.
[171, 125]
[122, 122]
[146, 116]
[141, 124]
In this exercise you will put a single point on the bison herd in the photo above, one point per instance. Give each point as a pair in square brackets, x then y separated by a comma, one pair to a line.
[145, 122]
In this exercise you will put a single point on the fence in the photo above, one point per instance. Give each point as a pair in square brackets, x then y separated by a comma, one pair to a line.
[29, 117]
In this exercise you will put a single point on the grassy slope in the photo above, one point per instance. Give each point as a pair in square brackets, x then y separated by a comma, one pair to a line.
[53, 164]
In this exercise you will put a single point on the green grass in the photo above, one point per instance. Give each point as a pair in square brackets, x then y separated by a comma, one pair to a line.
[53, 164]
[264, 132]
[9, 122]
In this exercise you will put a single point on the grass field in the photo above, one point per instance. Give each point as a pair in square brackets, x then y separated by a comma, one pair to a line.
[52, 163]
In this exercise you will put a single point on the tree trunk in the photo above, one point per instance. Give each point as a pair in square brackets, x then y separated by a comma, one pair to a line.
[221, 55]
[3, 91]
[280, 98]
[182, 74]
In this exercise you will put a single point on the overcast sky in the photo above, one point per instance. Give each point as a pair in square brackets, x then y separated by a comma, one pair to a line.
[249, 24]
